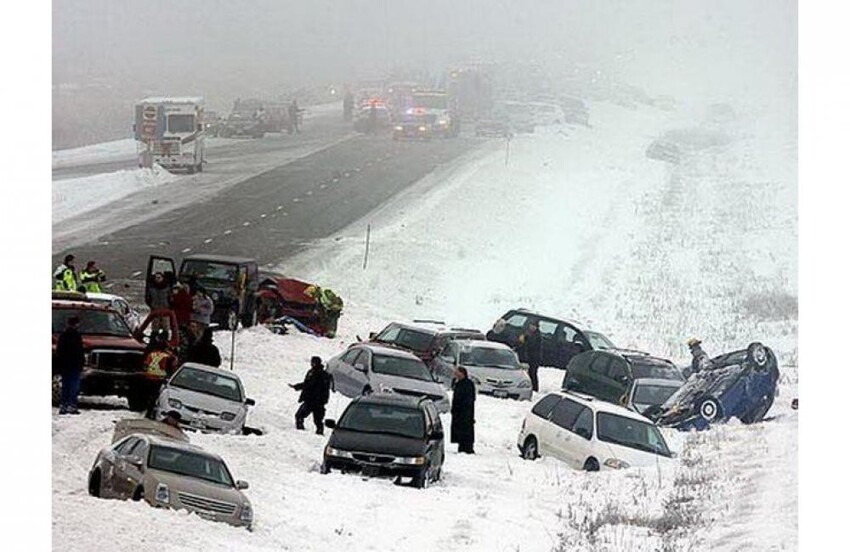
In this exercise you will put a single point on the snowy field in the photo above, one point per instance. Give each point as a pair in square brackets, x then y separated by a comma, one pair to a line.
[578, 223]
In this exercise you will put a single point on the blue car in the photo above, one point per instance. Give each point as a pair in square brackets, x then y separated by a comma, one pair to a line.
[741, 384]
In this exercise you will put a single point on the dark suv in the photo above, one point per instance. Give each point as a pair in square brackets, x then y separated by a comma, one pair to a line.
[423, 338]
[560, 340]
[387, 434]
[231, 283]
[609, 375]
[113, 357]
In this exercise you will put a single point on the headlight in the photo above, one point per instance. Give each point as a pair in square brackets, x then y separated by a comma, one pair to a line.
[422, 129]
[330, 451]
[410, 460]
[162, 494]
[524, 384]
[247, 514]
[174, 403]
[616, 463]
[228, 416]
[398, 128]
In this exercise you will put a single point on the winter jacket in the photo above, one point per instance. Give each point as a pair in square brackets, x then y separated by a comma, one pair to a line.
[205, 353]
[316, 387]
[181, 304]
[202, 309]
[65, 278]
[157, 296]
[700, 361]
[91, 280]
[463, 412]
[69, 352]
[531, 349]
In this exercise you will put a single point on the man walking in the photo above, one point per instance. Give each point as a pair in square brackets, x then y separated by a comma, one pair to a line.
[530, 350]
[315, 392]
[71, 358]
[463, 412]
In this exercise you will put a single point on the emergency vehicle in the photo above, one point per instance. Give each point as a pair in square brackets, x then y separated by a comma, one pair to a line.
[170, 132]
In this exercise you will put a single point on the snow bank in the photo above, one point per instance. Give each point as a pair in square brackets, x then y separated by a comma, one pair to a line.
[116, 150]
[75, 196]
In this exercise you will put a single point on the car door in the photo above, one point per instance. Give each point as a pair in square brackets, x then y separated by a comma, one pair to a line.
[108, 462]
[570, 343]
[341, 372]
[123, 484]
[434, 435]
[548, 343]
[562, 442]
[595, 381]
[445, 362]
[361, 372]
[615, 384]
[582, 442]
[515, 325]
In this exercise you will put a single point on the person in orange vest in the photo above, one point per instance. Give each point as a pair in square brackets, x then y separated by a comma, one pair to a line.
[160, 363]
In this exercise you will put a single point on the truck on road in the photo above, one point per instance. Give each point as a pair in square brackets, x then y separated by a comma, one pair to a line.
[170, 132]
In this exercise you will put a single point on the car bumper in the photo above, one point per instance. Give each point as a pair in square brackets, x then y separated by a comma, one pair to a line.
[106, 382]
[371, 469]
[199, 422]
[522, 394]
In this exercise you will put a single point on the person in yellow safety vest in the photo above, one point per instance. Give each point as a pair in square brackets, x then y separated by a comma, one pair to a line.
[65, 275]
[160, 363]
[330, 307]
[91, 277]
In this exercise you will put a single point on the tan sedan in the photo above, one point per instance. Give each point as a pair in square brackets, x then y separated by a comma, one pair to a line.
[169, 473]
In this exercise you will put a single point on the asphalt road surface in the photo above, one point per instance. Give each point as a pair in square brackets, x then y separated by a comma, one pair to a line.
[272, 215]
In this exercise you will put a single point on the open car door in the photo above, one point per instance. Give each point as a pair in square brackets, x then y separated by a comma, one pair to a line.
[158, 264]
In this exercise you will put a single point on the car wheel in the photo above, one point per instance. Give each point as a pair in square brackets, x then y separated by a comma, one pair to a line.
[591, 465]
[56, 390]
[367, 390]
[423, 478]
[757, 355]
[139, 494]
[710, 410]
[529, 449]
[324, 468]
[94, 484]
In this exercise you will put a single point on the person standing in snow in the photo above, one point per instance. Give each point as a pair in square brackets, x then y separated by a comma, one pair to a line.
[463, 412]
[91, 277]
[202, 310]
[293, 116]
[530, 351]
[70, 356]
[315, 392]
[204, 351]
[65, 275]
[700, 359]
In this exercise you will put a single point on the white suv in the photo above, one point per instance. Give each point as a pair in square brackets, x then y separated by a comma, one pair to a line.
[590, 434]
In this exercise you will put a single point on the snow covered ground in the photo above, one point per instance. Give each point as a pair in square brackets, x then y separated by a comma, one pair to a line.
[578, 223]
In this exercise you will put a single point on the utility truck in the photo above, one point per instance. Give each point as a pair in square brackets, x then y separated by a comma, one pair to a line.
[170, 132]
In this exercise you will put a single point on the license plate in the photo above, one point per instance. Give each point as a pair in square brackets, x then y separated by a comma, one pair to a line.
[371, 471]
[500, 393]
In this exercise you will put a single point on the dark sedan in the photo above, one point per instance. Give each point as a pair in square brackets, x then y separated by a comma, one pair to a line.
[390, 435]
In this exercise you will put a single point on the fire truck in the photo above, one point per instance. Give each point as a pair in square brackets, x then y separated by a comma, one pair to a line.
[170, 132]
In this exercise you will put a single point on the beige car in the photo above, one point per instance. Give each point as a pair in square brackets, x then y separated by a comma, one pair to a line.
[170, 473]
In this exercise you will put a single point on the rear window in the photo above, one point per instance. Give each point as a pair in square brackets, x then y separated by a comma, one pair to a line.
[415, 340]
[656, 370]
[545, 405]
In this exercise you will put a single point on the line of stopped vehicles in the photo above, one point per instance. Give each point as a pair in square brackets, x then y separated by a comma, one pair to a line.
[606, 416]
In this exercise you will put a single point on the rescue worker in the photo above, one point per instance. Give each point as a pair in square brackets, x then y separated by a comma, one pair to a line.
[70, 357]
[65, 275]
[530, 351]
[91, 277]
[315, 392]
[160, 363]
[204, 351]
[463, 412]
[330, 307]
[700, 359]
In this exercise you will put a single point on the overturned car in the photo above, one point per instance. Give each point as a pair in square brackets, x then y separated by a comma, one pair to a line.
[741, 384]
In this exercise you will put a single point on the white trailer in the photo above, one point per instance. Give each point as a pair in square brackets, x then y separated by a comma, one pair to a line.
[170, 132]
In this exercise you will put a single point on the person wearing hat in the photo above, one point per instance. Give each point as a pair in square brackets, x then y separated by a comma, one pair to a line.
[172, 418]
[91, 277]
[315, 392]
[700, 359]
[65, 275]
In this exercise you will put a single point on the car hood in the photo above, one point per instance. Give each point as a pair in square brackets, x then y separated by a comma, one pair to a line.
[203, 401]
[183, 484]
[108, 342]
[485, 372]
[376, 442]
[407, 384]
[634, 457]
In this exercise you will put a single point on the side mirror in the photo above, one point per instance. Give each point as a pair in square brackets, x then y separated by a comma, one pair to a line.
[330, 423]
[250, 402]
[241, 485]
[437, 435]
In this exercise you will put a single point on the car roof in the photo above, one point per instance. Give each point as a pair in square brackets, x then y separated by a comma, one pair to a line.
[570, 321]
[598, 405]
[388, 350]
[434, 327]
[481, 344]
[173, 443]
[79, 304]
[211, 369]
[219, 259]
[388, 397]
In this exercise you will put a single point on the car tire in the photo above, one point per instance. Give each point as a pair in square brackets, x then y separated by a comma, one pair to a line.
[530, 450]
[324, 469]
[94, 484]
[423, 478]
[56, 390]
[367, 390]
[710, 410]
[591, 465]
[139, 494]
[757, 355]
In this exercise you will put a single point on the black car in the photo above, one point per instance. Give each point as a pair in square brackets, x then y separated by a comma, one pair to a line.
[231, 283]
[741, 384]
[390, 435]
[609, 375]
[423, 338]
[561, 339]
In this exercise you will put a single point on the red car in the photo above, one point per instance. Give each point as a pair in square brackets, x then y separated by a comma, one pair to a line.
[114, 358]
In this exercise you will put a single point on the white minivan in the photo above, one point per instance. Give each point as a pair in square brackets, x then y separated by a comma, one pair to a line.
[590, 434]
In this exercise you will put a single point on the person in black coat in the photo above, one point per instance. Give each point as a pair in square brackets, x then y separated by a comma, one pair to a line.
[70, 357]
[204, 351]
[463, 412]
[315, 392]
[530, 351]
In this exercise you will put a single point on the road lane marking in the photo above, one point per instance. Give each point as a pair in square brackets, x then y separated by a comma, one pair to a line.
[187, 250]
[208, 240]
[228, 232]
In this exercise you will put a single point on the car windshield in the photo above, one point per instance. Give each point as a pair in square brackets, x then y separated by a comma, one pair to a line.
[653, 395]
[599, 341]
[631, 433]
[190, 464]
[656, 370]
[401, 367]
[209, 271]
[492, 358]
[414, 340]
[384, 418]
[92, 322]
[207, 383]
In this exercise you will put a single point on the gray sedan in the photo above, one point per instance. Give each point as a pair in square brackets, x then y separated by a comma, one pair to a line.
[493, 367]
[168, 473]
[368, 367]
